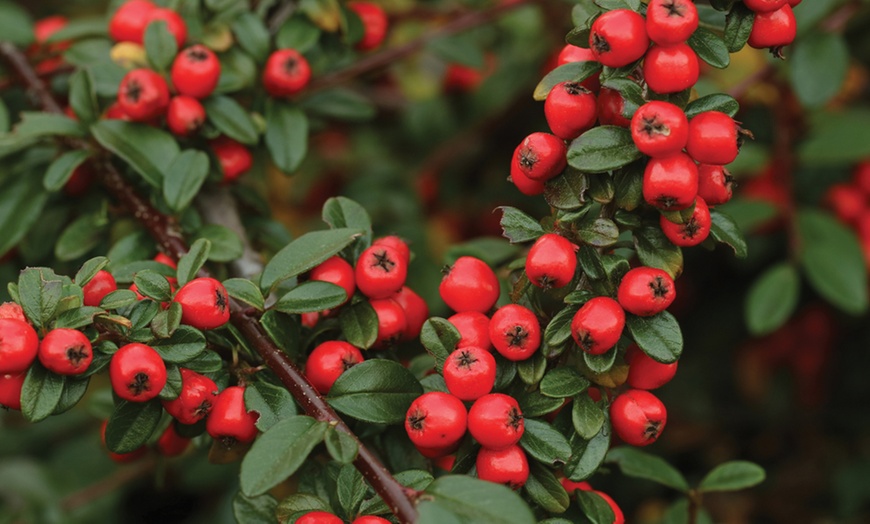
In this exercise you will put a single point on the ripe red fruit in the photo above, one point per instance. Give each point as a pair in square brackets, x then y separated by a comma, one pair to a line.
[338, 271]
[171, 444]
[713, 138]
[670, 183]
[230, 421]
[370, 519]
[551, 261]
[416, 311]
[98, 287]
[773, 30]
[440, 452]
[185, 115]
[714, 184]
[571, 486]
[66, 352]
[286, 73]
[234, 158]
[137, 373]
[129, 21]
[392, 322]
[375, 24]
[12, 310]
[659, 128]
[121, 458]
[473, 328]
[470, 285]
[526, 185]
[196, 399]
[670, 22]
[165, 260]
[847, 202]
[174, 23]
[503, 466]
[694, 231]
[618, 516]
[380, 272]
[573, 53]
[318, 517]
[328, 361]
[610, 107]
[195, 72]
[597, 326]
[671, 69]
[638, 417]
[515, 332]
[541, 156]
[10, 390]
[436, 420]
[646, 291]
[764, 6]
[396, 243]
[143, 95]
[618, 37]
[861, 177]
[204, 303]
[646, 373]
[469, 373]
[570, 109]
[496, 421]
[18, 346]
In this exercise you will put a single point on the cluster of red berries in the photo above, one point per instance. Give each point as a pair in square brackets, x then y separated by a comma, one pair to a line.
[323, 517]
[571, 486]
[774, 25]
[850, 201]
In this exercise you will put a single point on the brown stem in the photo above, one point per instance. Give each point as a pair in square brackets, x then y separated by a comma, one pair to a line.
[167, 234]
[281, 15]
[694, 506]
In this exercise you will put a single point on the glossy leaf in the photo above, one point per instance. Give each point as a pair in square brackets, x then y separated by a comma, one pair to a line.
[772, 299]
[602, 149]
[377, 391]
[639, 464]
[732, 476]
[305, 253]
[659, 336]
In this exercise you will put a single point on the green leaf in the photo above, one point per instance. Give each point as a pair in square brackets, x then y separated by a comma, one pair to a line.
[245, 291]
[725, 230]
[628, 187]
[82, 97]
[341, 212]
[226, 245]
[279, 452]
[596, 509]
[655, 250]
[715, 102]
[231, 119]
[433, 512]
[60, 171]
[340, 103]
[563, 382]
[238, 71]
[40, 393]
[311, 296]
[40, 125]
[587, 456]
[272, 403]
[77, 318]
[286, 135]
[148, 150]
[79, 237]
[190, 264]
[341, 446]
[587, 416]
[39, 291]
[254, 510]
[252, 35]
[738, 26]
[601, 232]
[184, 178]
[710, 48]
[16, 25]
[351, 489]
[732, 476]
[89, 269]
[602, 149]
[832, 261]
[517, 226]
[458, 49]
[819, 51]
[377, 391]
[544, 443]
[416, 479]
[132, 424]
[475, 500]
[299, 503]
[545, 490]
[772, 299]
[284, 330]
[74, 389]
[152, 285]
[21, 205]
[658, 336]
[167, 321]
[297, 33]
[639, 464]
[531, 370]
[305, 253]
[185, 344]
[118, 299]
[160, 45]
[439, 337]
[359, 324]
[570, 72]
[567, 191]
[838, 138]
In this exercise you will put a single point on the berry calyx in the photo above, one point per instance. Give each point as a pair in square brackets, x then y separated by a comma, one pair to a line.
[691, 232]
[507, 466]
[715, 184]
[670, 22]
[205, 303]
[286, 73]
[515, 332]
[436, 420]
[646, 291]
[470, 285]
[541, 156]
[18, 346]
[229, 421]
[597, 325]
[328, 361]
[380, 271]
[137, 372]
[496, 421]
[196, 399]
[659, 129]
[98, 287]
[469, 373]
[638, 417]
[66, 352]
[143, 95]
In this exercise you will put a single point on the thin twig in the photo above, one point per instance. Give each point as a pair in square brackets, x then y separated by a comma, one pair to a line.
[284, 12]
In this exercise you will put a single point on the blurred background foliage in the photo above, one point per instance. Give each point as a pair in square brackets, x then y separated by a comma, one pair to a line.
[424, 146]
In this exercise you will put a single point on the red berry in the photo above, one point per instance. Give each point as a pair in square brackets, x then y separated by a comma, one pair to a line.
[165, 260]
[174, 23]
[610, 108]
[12, 310]
[597, 325]
[671, 69]
[470, 285]
[847, 202]
[618, 516]
[670, 183]
[571, 486]
[694, 231]
[66, 352]
[794, 3]
[380, 272]
[185, 115]
[44, 28]
[473, 328]
[503, 466]
[713, 138]
[171, 444]
[515, 332]
[440, 452]
[570, 109]
[646, 373]
[234, 158]
[646, 291]
[318, 517]
[469, 373]
[392, 322]
[436, 420]
[328, 361]
[618, 37]
[143, 95]
[764, 6]
[79, 183]
[370, 519]
[861, 176]
[18, 346]
[714, 184]
[10, 390]
[541, 156]
[375, 24]
[230, 421]
[121, 458]
[496, 421]
[526, 185]
[195, 72]
[551, 261]
[338, 271]
[396, 243]
[573, 53]
[659, 129]
[446, 462]
[416, 311]
[638, 417]
[671, 22]
[204, 303]
[196, 399]
[137, 373]
[98, 287]
[129, 21]
[286, 73]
